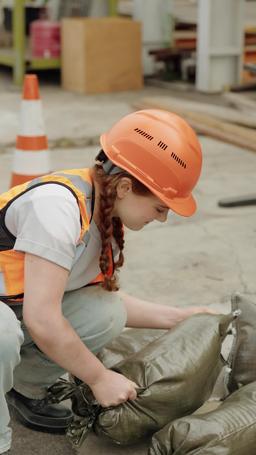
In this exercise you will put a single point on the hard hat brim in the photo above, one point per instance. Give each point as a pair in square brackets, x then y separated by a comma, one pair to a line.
[182, 206]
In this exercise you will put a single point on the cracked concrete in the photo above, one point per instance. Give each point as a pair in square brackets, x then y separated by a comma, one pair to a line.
[200, 260]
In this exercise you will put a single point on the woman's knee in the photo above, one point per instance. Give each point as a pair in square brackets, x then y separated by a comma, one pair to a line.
[100, 318]
[11, 336]
[118, 318]
[111, 324]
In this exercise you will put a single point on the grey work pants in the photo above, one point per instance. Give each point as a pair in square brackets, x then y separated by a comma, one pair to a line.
[96, 315]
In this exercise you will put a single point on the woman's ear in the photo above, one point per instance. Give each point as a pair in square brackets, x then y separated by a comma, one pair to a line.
[124, 187]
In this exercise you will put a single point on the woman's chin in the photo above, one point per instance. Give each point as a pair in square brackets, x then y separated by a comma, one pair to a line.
[134, 227]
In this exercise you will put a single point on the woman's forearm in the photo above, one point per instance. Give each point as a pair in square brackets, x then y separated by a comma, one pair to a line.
[44, 286]
[42, 314]
[143, 314]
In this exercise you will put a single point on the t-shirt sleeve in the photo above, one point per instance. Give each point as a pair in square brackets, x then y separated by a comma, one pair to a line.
[46, 222]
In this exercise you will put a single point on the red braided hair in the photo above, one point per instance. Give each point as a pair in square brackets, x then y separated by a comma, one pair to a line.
[111, 227]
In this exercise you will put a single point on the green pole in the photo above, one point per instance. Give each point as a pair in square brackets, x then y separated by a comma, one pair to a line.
[18, 31]
[113, 7]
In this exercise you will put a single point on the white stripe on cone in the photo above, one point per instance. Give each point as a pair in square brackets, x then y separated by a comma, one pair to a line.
[31, 118]
[31, 163]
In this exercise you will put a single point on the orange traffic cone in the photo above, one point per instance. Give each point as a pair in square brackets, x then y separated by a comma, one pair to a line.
[31, 156]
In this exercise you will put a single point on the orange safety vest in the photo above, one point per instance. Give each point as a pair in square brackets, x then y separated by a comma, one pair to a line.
[79, 182]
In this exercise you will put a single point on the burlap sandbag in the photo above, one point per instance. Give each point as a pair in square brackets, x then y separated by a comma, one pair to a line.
[243, 352]
[175, 374]
[229, 430]
[129, 342]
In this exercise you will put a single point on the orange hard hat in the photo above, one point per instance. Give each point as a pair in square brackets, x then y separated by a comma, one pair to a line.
[161, 151]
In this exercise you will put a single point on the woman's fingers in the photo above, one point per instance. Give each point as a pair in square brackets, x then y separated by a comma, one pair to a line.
[205, 309]
[133, 393]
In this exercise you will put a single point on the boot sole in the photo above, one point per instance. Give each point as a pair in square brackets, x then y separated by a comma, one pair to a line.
[37, 422]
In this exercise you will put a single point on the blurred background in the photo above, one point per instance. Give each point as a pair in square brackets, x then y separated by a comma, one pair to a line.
[180, 39]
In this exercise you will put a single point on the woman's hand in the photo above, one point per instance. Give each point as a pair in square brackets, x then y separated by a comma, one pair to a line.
[112, 388]
[189, 311]
[178, 314]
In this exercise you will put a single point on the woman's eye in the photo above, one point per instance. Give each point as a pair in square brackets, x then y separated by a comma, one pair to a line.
[160, 210]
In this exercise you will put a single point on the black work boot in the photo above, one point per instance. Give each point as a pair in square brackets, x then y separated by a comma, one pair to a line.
[39, 414]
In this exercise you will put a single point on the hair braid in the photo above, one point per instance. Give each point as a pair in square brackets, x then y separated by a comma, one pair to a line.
[107, 200]
[111, 227]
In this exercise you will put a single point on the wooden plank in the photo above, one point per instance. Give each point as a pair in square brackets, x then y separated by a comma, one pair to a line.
[184, 34]
[241, 102]
[207, 125]
[219, 112]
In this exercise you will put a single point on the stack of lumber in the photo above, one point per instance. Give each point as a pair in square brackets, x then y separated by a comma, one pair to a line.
[185, 37]
[250, 53]
[234, 125]
[185, 33]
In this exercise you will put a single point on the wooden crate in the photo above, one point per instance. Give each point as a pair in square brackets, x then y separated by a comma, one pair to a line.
[101, 55]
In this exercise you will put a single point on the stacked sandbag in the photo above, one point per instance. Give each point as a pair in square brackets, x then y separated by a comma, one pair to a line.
[175, 374]
[229, 430]
[243, 352]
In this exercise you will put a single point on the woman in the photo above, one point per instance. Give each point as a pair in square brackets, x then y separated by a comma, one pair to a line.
[60, 233]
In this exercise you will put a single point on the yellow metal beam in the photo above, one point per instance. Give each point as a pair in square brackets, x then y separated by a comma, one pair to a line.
[113, 7]
[18, 30]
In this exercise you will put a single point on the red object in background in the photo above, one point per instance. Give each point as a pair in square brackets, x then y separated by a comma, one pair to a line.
[45, 39]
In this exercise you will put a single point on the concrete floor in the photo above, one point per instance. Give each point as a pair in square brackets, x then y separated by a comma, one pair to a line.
[200, 260]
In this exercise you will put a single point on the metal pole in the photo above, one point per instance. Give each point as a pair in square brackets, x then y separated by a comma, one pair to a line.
[18, 28]
[113, 7]
[219, 44]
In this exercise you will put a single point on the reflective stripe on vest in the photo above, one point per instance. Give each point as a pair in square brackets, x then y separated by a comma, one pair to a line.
[79, 182]
[2, 285]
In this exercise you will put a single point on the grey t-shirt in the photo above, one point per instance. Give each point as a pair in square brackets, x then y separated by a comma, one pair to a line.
[46, 222]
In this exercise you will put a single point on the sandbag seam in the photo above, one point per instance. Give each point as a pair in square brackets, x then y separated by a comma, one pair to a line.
[224, 437]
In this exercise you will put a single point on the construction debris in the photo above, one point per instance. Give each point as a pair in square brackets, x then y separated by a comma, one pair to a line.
[210, 120]
[241, 102]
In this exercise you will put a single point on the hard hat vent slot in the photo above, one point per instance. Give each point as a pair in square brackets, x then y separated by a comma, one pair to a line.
[162, 145]
[179, 161]
[143, 133]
